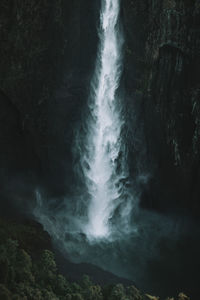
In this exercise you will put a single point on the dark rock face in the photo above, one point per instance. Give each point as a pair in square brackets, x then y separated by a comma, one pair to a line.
[161, 77]
[46, 56]
[162, 71]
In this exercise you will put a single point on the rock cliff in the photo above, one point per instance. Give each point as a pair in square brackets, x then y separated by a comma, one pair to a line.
[47, 56]
[162, 68]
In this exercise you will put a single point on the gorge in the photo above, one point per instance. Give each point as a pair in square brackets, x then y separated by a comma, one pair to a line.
[100, 128]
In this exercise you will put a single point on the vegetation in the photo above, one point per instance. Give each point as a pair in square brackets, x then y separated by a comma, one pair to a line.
[28, 275]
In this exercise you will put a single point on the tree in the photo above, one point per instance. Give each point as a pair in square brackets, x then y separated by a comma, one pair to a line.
[61, 286]
[23, 267]
[133, 293]
[118, 293]
[45, 271]
[93, 292]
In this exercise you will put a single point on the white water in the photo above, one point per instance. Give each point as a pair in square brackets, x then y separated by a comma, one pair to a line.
[103, 159]
[104, 142]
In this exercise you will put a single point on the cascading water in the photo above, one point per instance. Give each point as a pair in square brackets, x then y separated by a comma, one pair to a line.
[104, 164]
[96, 226]
[104, 209]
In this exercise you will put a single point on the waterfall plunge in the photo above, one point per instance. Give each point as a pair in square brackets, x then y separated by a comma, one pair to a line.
[103, 161]
[103, 210]
[110, 240]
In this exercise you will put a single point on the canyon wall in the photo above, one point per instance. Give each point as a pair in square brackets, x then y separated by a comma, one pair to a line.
[162, 71]
[47, 53]
[47, 56]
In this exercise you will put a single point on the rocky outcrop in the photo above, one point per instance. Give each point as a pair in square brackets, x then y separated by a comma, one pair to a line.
[46, 54]
[162, 74]
[29, 270]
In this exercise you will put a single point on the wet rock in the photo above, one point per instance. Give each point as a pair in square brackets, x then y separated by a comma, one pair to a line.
[162, 64]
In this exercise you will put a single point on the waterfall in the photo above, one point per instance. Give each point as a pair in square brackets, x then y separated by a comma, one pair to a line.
[103, 161]
[102, 224]
[103, 205]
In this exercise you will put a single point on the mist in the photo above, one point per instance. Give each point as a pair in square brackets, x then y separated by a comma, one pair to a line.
[100, 136]
[103, 222]
[157, 246]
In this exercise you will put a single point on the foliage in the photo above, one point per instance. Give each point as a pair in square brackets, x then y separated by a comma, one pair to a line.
[27, 276]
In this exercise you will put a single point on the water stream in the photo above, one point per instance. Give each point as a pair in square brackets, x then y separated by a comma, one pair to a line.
[104, 165]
